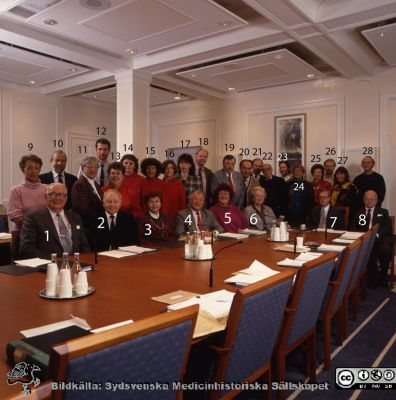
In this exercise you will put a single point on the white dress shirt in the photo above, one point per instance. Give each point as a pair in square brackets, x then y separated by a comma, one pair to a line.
[55, 219]
[108, 218]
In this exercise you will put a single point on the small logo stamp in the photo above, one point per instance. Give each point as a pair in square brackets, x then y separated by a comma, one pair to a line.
[24, 373]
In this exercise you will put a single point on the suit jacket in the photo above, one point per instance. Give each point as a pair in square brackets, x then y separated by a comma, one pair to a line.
[33, 240]
[70, 179]
[248, 191]
[380, 216]
[239, 188]
[209, 222]
[277, 195]
[208, 175]
[125, 232]
[339, 223]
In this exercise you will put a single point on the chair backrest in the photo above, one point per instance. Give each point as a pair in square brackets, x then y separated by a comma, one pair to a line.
[253, 326]
[307, 298]
[345, 210]
[15, 242]
[151, 350]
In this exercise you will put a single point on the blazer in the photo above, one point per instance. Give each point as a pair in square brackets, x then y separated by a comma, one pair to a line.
[36, 242]
[380, 216]
[239, 188]
[208, 176]
[70, 179]
[339, 223]
[248, 191]
[125, 232]
[277, 194]
[209, 221]
[85, 201]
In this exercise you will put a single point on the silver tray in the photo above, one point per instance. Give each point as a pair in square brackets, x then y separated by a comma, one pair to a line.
[42, 294]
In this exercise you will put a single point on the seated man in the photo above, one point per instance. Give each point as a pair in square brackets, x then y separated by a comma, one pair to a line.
[326, 215]
[51, 229]
[195, 217]
[363, 220]
[113, 227]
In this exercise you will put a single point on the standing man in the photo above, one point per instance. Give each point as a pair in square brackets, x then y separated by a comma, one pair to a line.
[382, 252]
[58, 175]
[204, 174]
[52, 229]
[370, 180]
[232, 178]
[249, 181]
[276, 188]
[329, 167]
[257, 168]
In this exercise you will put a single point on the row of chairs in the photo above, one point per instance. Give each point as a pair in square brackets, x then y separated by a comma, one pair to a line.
[267, 321]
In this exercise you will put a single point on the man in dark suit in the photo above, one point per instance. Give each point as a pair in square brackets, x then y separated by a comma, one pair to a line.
[58, 175]
[276, 189]
[51, 229]
[229, 176]
[249, 181]
[326, 215]
[86, 193]
[363, 220]
[195, 217]
[114, 228]
[204, 174]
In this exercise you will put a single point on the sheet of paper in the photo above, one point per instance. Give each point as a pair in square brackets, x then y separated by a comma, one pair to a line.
[5, 235]
[244, 279]
[175, 297]
[230, 235]
[352, 235]
[82, 323]
[290, 248]
[255, 232]
[207, 324]
[329, 231]
[308, 256]
[116, 254]
[331, 247]
[32, 262]
[108, 327]
[287, 262]
[258, 268]
[135, 249]
[345, 241]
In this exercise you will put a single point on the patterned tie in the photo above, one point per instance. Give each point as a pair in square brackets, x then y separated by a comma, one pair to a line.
[101, 182]
[199, 220]
[230, 182]
[60, 180]
[322, 223]
[368, 219]
[64, 235]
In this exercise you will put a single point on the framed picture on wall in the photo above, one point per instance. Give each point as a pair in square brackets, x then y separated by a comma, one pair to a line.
[290, 139]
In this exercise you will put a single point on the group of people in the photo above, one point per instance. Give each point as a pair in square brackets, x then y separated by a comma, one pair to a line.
[109, 204]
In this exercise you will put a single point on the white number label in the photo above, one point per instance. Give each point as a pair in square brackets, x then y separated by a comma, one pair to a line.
[298, 186]
[188, 220]
[362, 220]
[334, 221]
[227, 216]
[47, 235]
[253, 219]
[147, 230]
[100, 226]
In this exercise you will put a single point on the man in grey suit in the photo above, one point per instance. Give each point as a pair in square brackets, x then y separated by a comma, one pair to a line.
[52, 229]
[229, 176]
[195, 217]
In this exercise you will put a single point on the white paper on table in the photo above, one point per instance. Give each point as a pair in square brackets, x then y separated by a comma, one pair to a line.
[220, 295]
[255, 232]
[116, 254]
[308, 256]
[244, 279]
[351, 235]
[32, 262]
[330, 230]
[135, 249]
[345, 241]
[75, 321]
[108, 327]
[258, 268]
[5, 235]
[331, 247]
[287, 262]
[230, 235]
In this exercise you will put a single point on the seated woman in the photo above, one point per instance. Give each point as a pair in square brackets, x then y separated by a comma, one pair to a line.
[28, 196]
[230, 217]
[284, 169]
[319, 184]
[174, 194]
[259, 216]
[186, 174]
[154, 227]
[151, 168]
[134, 181]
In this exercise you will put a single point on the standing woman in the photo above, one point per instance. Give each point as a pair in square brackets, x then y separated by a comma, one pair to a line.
[151, 168]
[319, 184]
[259, 216]
[284, 169]
[186, 174]
[174, 194]
[28, 196]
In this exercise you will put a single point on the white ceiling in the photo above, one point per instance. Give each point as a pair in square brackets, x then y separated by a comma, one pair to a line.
[199, 48]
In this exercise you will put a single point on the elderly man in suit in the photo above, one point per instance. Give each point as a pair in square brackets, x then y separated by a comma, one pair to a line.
[195, 217]
[114, 228]
[249, 181]
[57, 174]
[204, 174]
[86, 193]
[232, 178]
[326, 216]
[52, 229]
[363, 220]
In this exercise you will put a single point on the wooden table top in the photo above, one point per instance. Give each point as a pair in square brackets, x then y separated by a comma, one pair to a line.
[124, 288]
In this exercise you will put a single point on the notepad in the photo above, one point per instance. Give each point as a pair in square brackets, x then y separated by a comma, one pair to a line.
[230, 235]
[76, 321]
[116, 254]
[32, 262]
[136, 249]
[290, 248]
[308, 256]
[330, 230]
[5, 235]
[352, 235]
[175, 297]
[287, 262]
[331, 247]
[345, 241]
[254, 232]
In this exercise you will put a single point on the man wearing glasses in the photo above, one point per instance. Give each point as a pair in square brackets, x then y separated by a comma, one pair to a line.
[52, 229]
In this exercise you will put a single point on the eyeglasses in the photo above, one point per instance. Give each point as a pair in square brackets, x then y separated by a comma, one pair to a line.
[90, 166]
[54, 195]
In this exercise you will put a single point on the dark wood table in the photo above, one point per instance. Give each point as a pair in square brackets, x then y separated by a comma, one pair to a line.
[124, 288]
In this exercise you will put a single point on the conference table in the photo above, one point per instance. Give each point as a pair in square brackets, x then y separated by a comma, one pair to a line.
[124, 287]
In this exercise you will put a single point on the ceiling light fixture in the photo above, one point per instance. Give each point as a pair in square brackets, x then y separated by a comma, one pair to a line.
[177, 97]
[310, 75]
[193, 75]
[72, 69]
[50, 22]
[98, 5]
[32, 82]
[131, 51]
[231, 89]
[382, 34]
[225, 24]
[278, 56]
[6, 5]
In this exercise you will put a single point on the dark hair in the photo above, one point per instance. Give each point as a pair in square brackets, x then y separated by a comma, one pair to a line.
[117, 166]
[30, 157]
[151, 195]
[344, 171]
[223, 187]
[166, 163]
[132, 158]
[187, 158]
[102, 141]
[317, 166]
[147, 162]
[260, 159]
[240, 164]
[298, 165]
[58, 152]
[228, 157]
[287, 165]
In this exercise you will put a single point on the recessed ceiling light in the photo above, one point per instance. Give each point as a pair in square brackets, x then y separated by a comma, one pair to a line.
[131, 51]
[310, 75]
[177, 97]
[278, 56]
[72, 69]
[225, 24]
[382, 34]
[98, 5]
[193, 75]
[94, 96]
[50, 22]
[32, 82]
[231, 89]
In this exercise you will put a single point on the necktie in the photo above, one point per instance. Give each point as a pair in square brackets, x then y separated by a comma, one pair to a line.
[368, 219]
[64, 235]
[60, 180]
[200, 174]
[230, 182]
[201, 177]
[101, 182]
[322, 223]
[199, 220]
[112, 230]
